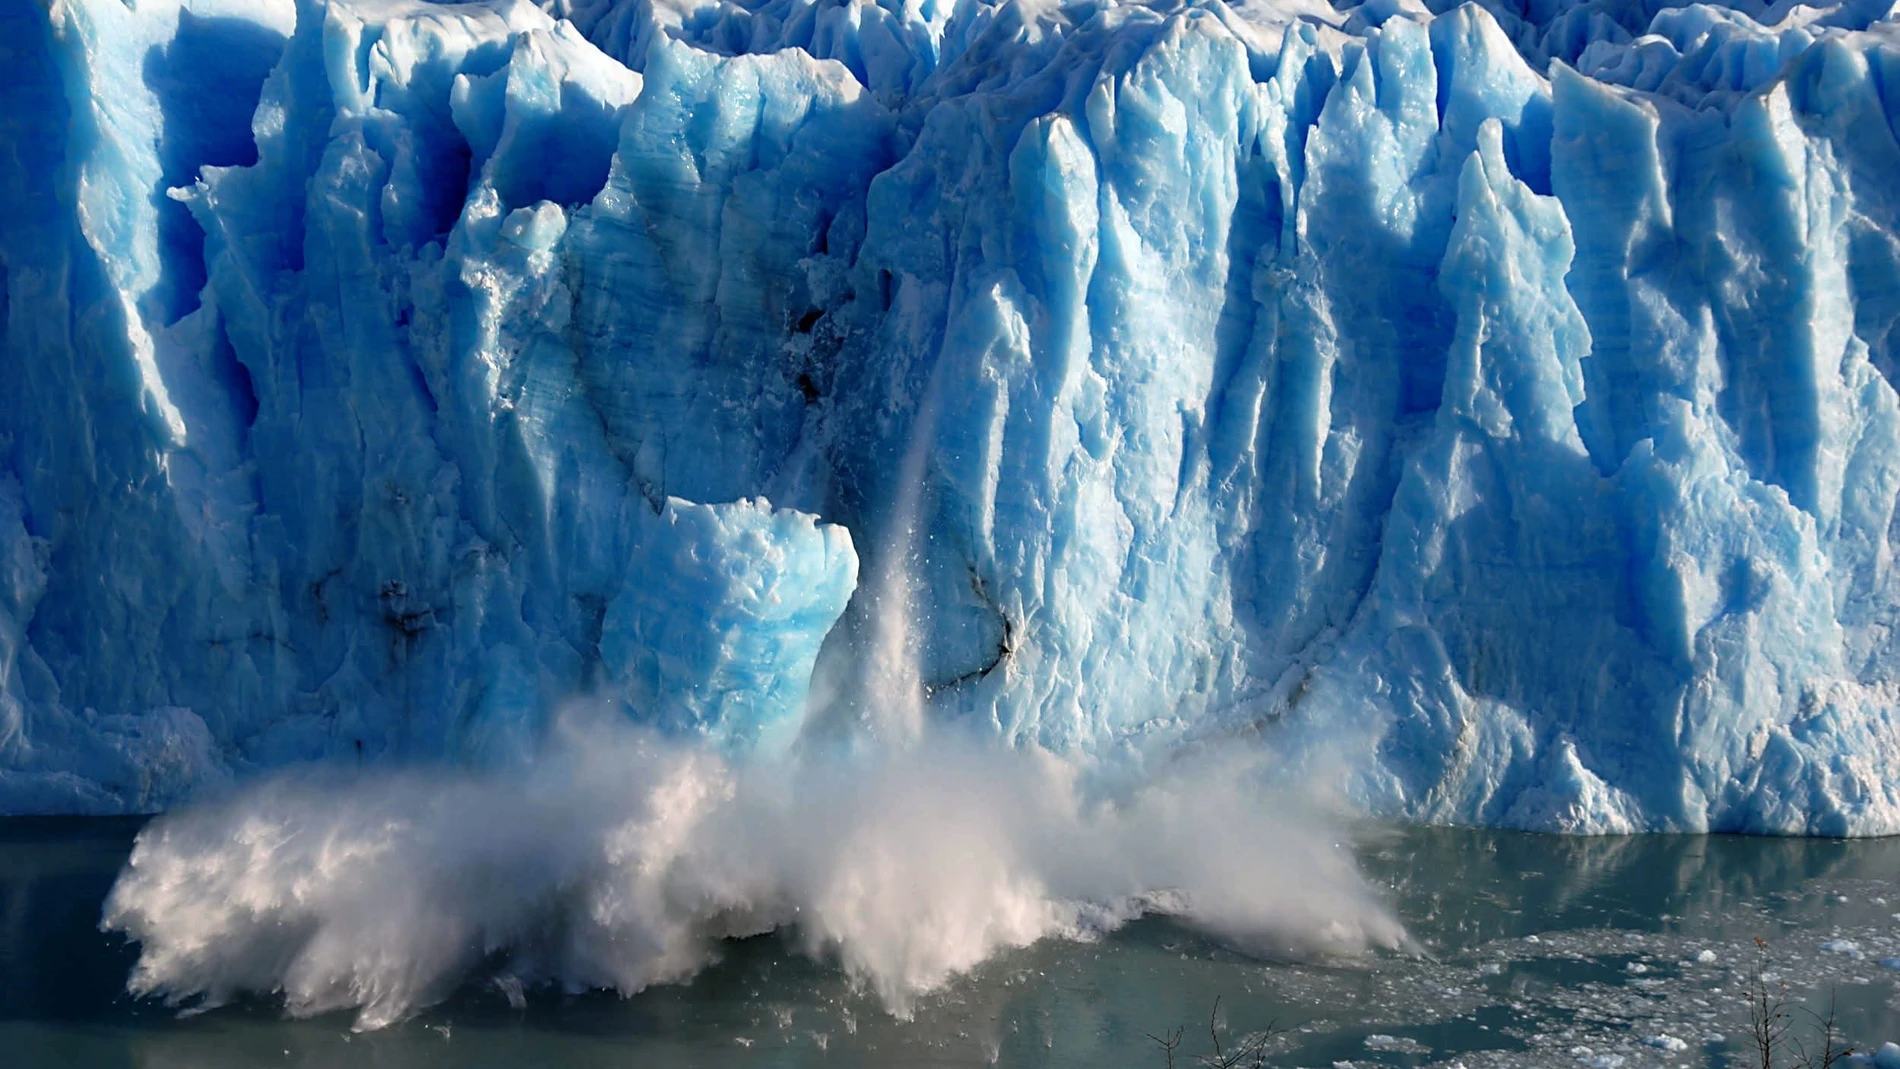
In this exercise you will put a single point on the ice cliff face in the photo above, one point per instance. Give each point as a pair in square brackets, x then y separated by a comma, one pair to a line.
[1490, 408]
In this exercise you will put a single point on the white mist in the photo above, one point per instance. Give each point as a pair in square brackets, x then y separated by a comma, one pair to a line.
[618, 860]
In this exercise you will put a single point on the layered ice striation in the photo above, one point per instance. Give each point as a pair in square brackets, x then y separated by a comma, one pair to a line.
[1489, 408]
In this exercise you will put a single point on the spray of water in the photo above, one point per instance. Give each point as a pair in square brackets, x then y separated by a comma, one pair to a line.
[619, 860]
[892, 691]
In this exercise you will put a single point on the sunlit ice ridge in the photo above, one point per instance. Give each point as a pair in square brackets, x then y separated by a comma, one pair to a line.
[1485, 410]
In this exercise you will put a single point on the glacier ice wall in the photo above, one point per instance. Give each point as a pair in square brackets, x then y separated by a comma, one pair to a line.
[1489, 408]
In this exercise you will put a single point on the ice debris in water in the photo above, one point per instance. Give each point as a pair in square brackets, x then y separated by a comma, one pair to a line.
[1491, 404]
[1600, 1009]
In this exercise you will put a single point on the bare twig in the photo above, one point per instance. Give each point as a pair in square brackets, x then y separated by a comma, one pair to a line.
[1829, 1055]
[1767, 1011]
[1168, 1045]
[1250, 1054]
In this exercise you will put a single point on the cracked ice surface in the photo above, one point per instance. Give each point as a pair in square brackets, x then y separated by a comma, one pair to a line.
[1490, 406]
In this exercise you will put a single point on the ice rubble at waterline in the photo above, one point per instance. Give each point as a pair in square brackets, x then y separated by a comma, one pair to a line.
[1488, 409]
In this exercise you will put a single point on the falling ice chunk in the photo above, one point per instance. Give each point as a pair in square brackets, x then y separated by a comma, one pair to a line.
[511, 989]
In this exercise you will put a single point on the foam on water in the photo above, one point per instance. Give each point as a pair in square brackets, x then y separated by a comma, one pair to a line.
[618, 860]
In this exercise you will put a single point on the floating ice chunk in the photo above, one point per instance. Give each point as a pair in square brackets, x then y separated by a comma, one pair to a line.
[1667, 1043]
[1844, 947]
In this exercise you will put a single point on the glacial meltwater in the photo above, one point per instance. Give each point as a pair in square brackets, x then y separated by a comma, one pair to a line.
[1532, 950]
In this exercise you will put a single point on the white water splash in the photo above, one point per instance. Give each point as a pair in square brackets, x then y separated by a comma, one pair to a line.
[617, 860]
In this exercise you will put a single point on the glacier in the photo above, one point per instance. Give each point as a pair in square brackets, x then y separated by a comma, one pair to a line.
[1487, 409]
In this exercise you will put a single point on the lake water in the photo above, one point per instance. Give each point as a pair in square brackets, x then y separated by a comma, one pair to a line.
[1538, 951]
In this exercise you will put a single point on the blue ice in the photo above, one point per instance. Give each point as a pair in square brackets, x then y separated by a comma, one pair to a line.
[1487, 408]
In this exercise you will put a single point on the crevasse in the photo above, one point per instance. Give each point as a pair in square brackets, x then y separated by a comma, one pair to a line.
[1488, 408]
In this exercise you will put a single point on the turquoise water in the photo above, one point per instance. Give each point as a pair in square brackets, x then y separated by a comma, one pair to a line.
[1535, 950]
